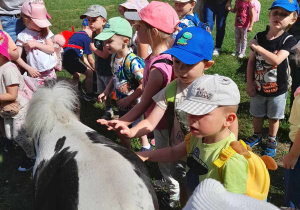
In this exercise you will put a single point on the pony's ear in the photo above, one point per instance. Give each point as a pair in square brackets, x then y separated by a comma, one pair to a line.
[49, 83]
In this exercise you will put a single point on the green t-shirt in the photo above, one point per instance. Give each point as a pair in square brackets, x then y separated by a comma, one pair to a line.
[200, 163]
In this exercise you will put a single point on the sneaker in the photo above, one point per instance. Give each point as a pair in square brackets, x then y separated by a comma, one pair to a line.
[143, 149]
[26, 164]
[90, 97]
[8, 144]
[254, 140]
[168, 201]
[216, 51]
[106, 116]
[241, 56]
[271, 148]
[234, 53]
[160, 184]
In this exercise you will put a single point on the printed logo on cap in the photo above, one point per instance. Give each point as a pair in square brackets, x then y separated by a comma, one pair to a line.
[184, 38]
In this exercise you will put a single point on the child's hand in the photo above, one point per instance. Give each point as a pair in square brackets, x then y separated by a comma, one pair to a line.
[228, 6]
[289, 161]
[30, 45]
[253, 43]
[34, 72]
[102, 97]
[120, 128]
[251, 92]
[249, 29]
[124, 103]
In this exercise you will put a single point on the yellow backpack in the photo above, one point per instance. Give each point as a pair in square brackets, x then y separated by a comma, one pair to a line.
[258, 182]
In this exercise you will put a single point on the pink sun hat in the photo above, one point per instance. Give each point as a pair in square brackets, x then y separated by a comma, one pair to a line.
[37, 12]
[157, 14]
[4, 45]
[135, 4]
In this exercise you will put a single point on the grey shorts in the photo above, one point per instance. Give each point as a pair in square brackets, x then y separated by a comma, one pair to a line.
[272, 107]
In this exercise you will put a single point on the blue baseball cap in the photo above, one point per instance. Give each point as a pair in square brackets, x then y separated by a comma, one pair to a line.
[192, 45]
[289, 5]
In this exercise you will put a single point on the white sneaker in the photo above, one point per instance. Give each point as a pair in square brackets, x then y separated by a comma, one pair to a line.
[234, 53]
[241, 55]
[216, 51]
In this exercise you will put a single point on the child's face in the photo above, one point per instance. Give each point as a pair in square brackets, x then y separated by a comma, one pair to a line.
[184, 8]
[114, 44]
[31, 25]
[96, 23]
[280, 18]
[187, 73]
[209, 124]
[142, 34]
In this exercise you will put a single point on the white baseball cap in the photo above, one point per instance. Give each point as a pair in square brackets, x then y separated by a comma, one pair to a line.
[208, 92]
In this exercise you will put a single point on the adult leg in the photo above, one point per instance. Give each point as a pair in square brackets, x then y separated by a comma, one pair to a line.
[221, 14]
[209, 15]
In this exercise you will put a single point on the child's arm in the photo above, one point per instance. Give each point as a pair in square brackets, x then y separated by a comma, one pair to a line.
[153, 86]
[252, 11]
[85, 61]
[228, 5]
[108, 90]
[101, 53]
[290, 159]
[234, 8]
[271, 58]
[48, 47]
[11, 93]
[32, 71]
[250, 71]
[142, 128]
[165, 155]
[91, 60]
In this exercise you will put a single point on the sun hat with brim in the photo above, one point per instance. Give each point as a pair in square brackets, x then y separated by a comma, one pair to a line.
[211, 194]
[289, 5]
[4, 45]
[37, 12]
[192, 45]
[208, 92]
[115, 25]
[159, 15]
[95, 11]
[135, 4]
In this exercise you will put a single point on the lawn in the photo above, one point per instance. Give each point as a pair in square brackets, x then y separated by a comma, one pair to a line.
[16, 188]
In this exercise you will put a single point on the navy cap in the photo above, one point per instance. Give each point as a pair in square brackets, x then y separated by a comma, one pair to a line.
[289, 5]
[192, 45]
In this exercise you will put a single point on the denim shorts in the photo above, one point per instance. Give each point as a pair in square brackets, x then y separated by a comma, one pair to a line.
[272, 107]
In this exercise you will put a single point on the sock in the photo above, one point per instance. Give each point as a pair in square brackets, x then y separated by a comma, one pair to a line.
[110, 110]
[272, 138]
[147, 147]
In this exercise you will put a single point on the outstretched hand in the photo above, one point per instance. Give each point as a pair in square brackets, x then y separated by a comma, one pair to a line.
[119, 127]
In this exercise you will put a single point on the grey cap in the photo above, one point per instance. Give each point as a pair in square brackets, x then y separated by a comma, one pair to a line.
[208, 92]
[95, 11]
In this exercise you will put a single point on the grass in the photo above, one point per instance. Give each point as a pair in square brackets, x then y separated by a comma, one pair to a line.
[16, 191]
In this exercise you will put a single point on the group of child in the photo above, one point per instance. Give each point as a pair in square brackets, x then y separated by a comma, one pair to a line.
[193, 117]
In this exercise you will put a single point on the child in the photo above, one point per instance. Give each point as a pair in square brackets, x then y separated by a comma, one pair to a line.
[244, 20]
[158, 21]
[78, 46]
[266, 72]
[211, 104]
[36, 40]
[127, 85]
[184, 9]
[291, 161]
[142, 50]
[13, 88]
[96, 16]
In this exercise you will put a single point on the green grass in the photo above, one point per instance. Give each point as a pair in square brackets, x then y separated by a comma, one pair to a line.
[16, 190]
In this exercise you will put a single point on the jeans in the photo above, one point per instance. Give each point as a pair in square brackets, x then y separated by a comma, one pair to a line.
[292, 186]
[12, 25]
[218, 12]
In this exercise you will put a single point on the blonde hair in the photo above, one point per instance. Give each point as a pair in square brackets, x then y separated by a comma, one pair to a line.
[43, 32]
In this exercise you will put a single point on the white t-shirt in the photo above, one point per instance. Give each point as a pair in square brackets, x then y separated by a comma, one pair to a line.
[36, 58]
[10, 75]
[11, 7]
[177, 135]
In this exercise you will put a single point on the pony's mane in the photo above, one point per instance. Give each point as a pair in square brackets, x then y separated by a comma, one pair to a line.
[54, 103]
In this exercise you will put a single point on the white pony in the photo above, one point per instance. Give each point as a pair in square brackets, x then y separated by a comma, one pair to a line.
[76, 168]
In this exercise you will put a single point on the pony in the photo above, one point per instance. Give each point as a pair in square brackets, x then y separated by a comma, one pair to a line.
[77, 168]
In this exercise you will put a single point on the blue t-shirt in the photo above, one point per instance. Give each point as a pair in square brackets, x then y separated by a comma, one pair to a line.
[80, 39]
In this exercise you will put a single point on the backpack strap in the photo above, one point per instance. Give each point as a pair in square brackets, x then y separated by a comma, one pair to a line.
[170, 98]
[163, 60]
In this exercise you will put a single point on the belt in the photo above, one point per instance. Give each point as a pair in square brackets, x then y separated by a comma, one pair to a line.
[15, 15]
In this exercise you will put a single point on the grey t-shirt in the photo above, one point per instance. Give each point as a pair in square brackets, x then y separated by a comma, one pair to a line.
[10, 7]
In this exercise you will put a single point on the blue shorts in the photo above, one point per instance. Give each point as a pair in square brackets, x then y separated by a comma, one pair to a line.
[272, 107]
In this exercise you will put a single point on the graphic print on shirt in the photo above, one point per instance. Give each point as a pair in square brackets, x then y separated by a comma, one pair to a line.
[265, 75]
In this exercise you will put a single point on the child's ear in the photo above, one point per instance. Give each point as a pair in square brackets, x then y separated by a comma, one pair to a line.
[193, 4]
[126, 40]
[231, 116]
[104, 21]
[208, 64]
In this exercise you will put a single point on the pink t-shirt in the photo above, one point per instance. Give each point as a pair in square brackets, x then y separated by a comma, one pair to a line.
[166, 71]
[242, 19]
